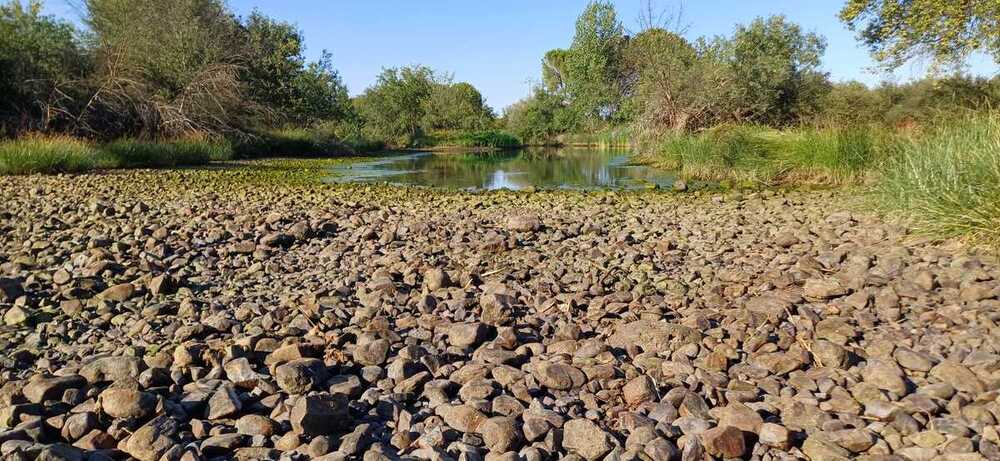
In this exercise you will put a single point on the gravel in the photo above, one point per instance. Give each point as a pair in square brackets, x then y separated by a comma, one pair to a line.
[202, 315]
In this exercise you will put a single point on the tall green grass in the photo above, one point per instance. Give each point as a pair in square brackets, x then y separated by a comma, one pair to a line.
[49, 154]
[751, 156]
[132, 153]
[297, 142]
[948, 180]
[606, 138]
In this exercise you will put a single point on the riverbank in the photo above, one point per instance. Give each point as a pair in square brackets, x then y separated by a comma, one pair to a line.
[253, 311]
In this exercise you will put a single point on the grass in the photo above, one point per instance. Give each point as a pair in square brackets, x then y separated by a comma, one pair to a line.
[132, 153]
[494, 139]
[296, 142]
[49, 154]
[750, 156]
[948, 181]
[605, 138]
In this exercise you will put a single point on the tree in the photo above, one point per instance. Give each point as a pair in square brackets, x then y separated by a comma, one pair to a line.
[456, 106]
[593, 64]
[554, 70]
[394, 108]
[280, 81]
[946, 31]
[675, 86]
[166, 68]
[39, 57]
[775, 69]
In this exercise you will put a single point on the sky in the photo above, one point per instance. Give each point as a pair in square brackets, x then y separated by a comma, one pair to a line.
[497, 45]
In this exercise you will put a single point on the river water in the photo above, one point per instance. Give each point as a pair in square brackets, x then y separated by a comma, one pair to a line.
[564, 168]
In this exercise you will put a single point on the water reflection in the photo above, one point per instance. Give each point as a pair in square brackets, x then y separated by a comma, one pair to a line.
[519, 169]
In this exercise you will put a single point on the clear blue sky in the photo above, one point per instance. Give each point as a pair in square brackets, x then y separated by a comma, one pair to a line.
[497, 45]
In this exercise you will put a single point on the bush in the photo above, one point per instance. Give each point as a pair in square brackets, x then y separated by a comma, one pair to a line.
[38, 154]
[948, 182]
[131, 153]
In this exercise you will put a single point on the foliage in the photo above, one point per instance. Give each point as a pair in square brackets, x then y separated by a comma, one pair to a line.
[593, 63]
[948, 182]
[45, 154]
[295, 142]
[489, 138]
[946, 31]
[456, 106]
[132, 153]
[394, 108]
[169, 68]
[774, 70]
[39, 57]
[279, 79]
[539, 118]
[675, 86]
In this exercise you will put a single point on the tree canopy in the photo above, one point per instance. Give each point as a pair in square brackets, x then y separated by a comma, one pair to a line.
[946, 31]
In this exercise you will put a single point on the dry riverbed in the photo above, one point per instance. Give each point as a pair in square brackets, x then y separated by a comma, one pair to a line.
[254, 314]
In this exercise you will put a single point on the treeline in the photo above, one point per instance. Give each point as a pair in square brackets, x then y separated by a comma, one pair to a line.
[156, 70]
[767, 73]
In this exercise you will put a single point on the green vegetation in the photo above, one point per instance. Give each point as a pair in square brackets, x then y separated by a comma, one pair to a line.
[34, 154]
[132, 153]
[755, 156]
[946, 31]
[948, 181]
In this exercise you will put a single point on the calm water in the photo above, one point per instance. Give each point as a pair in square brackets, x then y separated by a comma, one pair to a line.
[520, 169]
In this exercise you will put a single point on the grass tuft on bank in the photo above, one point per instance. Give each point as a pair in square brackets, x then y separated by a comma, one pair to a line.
[751, 156]
[46, 154]
[132, 153]
[948, 180]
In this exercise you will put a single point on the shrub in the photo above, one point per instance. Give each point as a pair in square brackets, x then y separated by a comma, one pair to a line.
[46, 154]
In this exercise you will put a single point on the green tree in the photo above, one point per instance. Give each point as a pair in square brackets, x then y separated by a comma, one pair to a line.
[539, 118]
[282, 83]
[675, 85]
[393, 109]
[456, 106]
[775, 69]
[593, 64]
[554, 70]
[946, 31]
[39, 57]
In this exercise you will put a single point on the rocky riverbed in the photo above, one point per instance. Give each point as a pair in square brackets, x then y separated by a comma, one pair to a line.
[222, 315]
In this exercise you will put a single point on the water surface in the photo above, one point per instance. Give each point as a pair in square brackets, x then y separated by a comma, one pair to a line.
[516, 169]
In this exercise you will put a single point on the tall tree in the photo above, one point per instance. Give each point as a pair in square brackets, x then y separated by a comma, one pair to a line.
[593, 64]
[946, 31]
